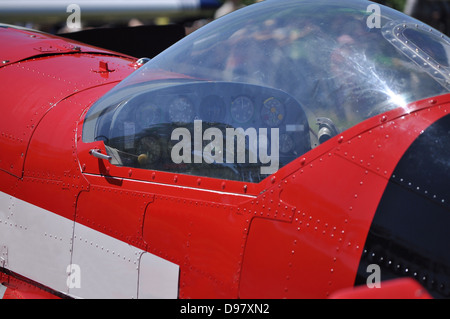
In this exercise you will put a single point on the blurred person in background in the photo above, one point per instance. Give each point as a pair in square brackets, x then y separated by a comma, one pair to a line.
[228, 6]
[435, 13]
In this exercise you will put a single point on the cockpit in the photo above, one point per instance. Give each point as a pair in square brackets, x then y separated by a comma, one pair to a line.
[254, 90]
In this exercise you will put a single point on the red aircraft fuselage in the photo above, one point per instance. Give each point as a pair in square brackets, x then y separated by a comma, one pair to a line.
[299, 233]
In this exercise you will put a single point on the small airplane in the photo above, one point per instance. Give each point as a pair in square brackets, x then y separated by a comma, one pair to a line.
[290, 149]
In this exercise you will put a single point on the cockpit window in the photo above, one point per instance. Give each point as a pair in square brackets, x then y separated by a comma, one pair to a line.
[226, 130]
[254, 90]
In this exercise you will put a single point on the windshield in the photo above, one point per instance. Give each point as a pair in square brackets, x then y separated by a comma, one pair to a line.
[291, 74]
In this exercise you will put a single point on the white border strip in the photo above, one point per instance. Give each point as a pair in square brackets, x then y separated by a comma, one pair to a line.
[2, 291]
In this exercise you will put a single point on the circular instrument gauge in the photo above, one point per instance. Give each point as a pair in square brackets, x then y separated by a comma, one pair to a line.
[148, 150]
[272, 112]
[242, 109]
[286, 143]
[181, 110]
[148, 115]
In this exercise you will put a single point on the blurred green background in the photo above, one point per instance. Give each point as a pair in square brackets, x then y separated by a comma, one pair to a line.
[396, 4]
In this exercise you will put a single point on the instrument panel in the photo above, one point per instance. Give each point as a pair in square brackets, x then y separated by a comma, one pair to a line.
[234, 104]
[143, 125]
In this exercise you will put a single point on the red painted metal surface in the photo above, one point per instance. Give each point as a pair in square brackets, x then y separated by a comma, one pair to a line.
[404, 288]
[17, 288]
[38, 80]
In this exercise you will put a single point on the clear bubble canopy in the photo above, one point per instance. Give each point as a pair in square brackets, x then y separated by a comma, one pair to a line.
[340, 62]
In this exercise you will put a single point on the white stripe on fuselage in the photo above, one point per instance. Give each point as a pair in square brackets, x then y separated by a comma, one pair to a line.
[77, 260]
[2, 291]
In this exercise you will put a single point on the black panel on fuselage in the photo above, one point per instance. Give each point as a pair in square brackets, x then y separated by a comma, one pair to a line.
[410, 232]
